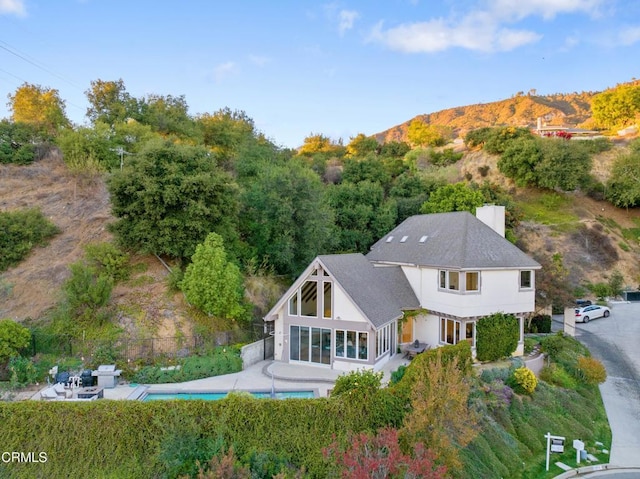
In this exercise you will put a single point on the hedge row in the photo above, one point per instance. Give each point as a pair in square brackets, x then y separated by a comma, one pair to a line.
[130, 438]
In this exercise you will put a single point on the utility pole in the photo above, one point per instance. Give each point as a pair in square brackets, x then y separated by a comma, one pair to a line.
[120, 151]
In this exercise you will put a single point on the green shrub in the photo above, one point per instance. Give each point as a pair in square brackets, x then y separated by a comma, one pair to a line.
[222, 360]
[497, 336]
[398, 374]
[86, 292]
[361, 383]
[590, 370]
[110, 260]
[444, 157]
[22, 231]
[529, 345]
[13, 338]
[23, 372]
[524, 380]
[556, 375]
[17, 142]
[494, 374]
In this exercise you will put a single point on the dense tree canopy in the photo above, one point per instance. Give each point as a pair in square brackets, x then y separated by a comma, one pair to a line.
[363, 214]
[546, 162]
[38, 106]
[617, 107]
[456, 197]
[169, 197]
[285, 219]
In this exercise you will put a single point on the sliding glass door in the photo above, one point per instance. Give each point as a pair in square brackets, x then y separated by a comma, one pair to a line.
[310, 344]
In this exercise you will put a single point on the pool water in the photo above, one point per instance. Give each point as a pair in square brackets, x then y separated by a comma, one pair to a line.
[219, 395]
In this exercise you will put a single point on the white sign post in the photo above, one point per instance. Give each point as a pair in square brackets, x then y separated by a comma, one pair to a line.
[554, 444]
[578, 446]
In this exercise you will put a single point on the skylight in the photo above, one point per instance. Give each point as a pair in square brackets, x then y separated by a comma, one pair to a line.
[423, 238]
[404, 238]
[389, 239]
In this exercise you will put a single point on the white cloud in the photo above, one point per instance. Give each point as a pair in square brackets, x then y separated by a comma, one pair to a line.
[547, 9]
[259, 60]
[629, 36]
[15, 7]
[439, 35]
[485, 28]
[346, 19]
[224, 70]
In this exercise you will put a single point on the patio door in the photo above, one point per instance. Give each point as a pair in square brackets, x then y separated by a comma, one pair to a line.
[310, 344]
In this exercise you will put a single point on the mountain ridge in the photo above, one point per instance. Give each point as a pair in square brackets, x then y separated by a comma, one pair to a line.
[522, 110]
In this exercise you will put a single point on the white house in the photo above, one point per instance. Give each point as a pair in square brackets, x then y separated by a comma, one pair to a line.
[446, 270]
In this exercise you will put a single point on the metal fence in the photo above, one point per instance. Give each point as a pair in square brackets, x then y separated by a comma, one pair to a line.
[146, 350]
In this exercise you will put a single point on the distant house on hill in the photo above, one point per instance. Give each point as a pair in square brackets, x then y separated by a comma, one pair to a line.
[564, 132]
[446, 270]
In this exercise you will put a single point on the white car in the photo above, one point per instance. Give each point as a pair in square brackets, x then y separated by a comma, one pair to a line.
[583, 315]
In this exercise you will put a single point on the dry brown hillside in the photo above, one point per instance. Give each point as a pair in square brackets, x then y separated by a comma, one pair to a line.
[520, 110]
[81, 210]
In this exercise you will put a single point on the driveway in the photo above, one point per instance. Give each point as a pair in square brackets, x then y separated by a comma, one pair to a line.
[616, 342]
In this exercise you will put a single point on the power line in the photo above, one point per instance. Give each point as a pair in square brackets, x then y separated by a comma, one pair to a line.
[23, 56]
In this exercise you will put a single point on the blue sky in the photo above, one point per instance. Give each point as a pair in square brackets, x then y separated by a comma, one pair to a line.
[299, 67]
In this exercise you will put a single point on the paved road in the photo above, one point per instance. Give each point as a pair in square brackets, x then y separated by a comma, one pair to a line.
[616, 342]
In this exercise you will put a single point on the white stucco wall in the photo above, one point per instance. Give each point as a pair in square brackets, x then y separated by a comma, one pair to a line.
[499, 291]
[343, 308]
[279, 337]
[426, 329]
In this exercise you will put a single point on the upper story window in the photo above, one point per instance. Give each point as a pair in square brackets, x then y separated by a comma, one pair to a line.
[450, 280]
[526, 279]
[472, 281]
[466, 281]
[309, 298]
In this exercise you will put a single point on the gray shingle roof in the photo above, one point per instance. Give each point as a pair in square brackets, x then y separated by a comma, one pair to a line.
[455, 240]
[381, 293]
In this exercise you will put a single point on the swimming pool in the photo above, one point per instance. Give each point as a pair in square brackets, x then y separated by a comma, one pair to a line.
[216, 395]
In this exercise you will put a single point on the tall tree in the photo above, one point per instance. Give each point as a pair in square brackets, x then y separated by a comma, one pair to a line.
[284, 217]
[361, 145]
[110, 103]
[420, 133]
[212, 282]
[169, 197]
[38, 106]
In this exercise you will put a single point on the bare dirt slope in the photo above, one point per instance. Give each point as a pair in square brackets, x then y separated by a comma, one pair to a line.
[81, 209]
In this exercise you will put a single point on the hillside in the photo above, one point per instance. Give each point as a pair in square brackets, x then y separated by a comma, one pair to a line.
[520, 110]
[81, 209]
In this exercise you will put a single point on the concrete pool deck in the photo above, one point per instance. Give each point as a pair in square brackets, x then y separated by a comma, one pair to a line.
[258, 377]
